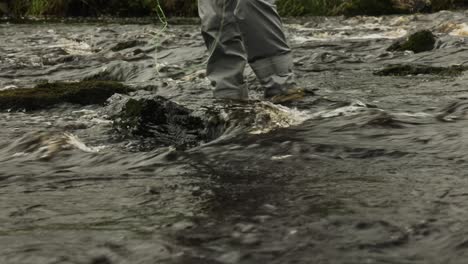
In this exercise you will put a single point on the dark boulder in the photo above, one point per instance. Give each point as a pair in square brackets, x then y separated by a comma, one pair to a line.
[420, 41]
[47, 95]
[165, 122]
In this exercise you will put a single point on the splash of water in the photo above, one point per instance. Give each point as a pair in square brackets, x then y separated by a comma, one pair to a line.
[270, 116]
[45, 146]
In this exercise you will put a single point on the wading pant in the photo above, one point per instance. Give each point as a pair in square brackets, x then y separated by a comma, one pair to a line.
[241, 31]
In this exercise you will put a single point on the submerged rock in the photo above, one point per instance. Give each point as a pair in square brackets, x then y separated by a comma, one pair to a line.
[420, 41]
[50, 94]
[127, 45]
[156, 121]
[166, 122]
[404, 70]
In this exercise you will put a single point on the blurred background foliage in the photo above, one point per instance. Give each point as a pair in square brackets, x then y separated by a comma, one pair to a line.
[136, 8]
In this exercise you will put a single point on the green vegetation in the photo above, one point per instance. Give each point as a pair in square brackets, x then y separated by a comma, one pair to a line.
[405, 70]
[21, 8]
[367, 7]
[437, 5]
[420, 41]
[50, 94]
[125, 8]
[307, 7]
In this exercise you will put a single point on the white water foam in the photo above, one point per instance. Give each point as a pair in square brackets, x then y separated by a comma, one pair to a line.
[461, 30]
[77, 143]
[73, 47]
[354, 108]
[270, 116]
[46, 146]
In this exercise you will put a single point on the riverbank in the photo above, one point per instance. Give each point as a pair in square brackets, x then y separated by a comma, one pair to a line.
[184, 8]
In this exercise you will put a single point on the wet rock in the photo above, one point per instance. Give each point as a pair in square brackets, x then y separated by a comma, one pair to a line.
[168, 123]
[120, 71]
[127, 45]
[405, 70]
[193, 237]
[61, 59]
[138, 51]
[367, 7]
[50, 94]
[420, 41]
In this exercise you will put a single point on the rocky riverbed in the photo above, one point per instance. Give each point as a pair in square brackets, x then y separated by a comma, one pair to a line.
[370, 169]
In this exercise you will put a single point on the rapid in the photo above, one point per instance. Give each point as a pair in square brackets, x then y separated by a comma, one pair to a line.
[369, 169]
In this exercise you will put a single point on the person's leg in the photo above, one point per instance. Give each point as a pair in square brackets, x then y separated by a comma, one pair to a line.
[227, 59]
[268, 52]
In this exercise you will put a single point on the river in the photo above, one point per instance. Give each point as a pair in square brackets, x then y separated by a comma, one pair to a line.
[370, 169]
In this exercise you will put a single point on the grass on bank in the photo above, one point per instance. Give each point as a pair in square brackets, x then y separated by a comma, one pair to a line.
[137, 8]
[125, 8]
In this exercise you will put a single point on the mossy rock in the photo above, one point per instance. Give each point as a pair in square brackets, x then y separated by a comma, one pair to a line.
[165, 122]
[50, 94]
[367, 7]
[420, 41]
[405, 70]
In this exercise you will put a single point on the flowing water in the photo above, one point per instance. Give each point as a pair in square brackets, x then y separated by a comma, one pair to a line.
[369, 170]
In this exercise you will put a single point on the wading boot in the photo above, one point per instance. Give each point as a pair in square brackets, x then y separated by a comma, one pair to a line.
[290, 95]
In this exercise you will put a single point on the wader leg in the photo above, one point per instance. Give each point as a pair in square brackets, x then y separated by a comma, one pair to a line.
[268, 52]
[227, 59]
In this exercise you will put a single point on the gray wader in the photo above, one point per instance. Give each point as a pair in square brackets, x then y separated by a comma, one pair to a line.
[241, 31]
